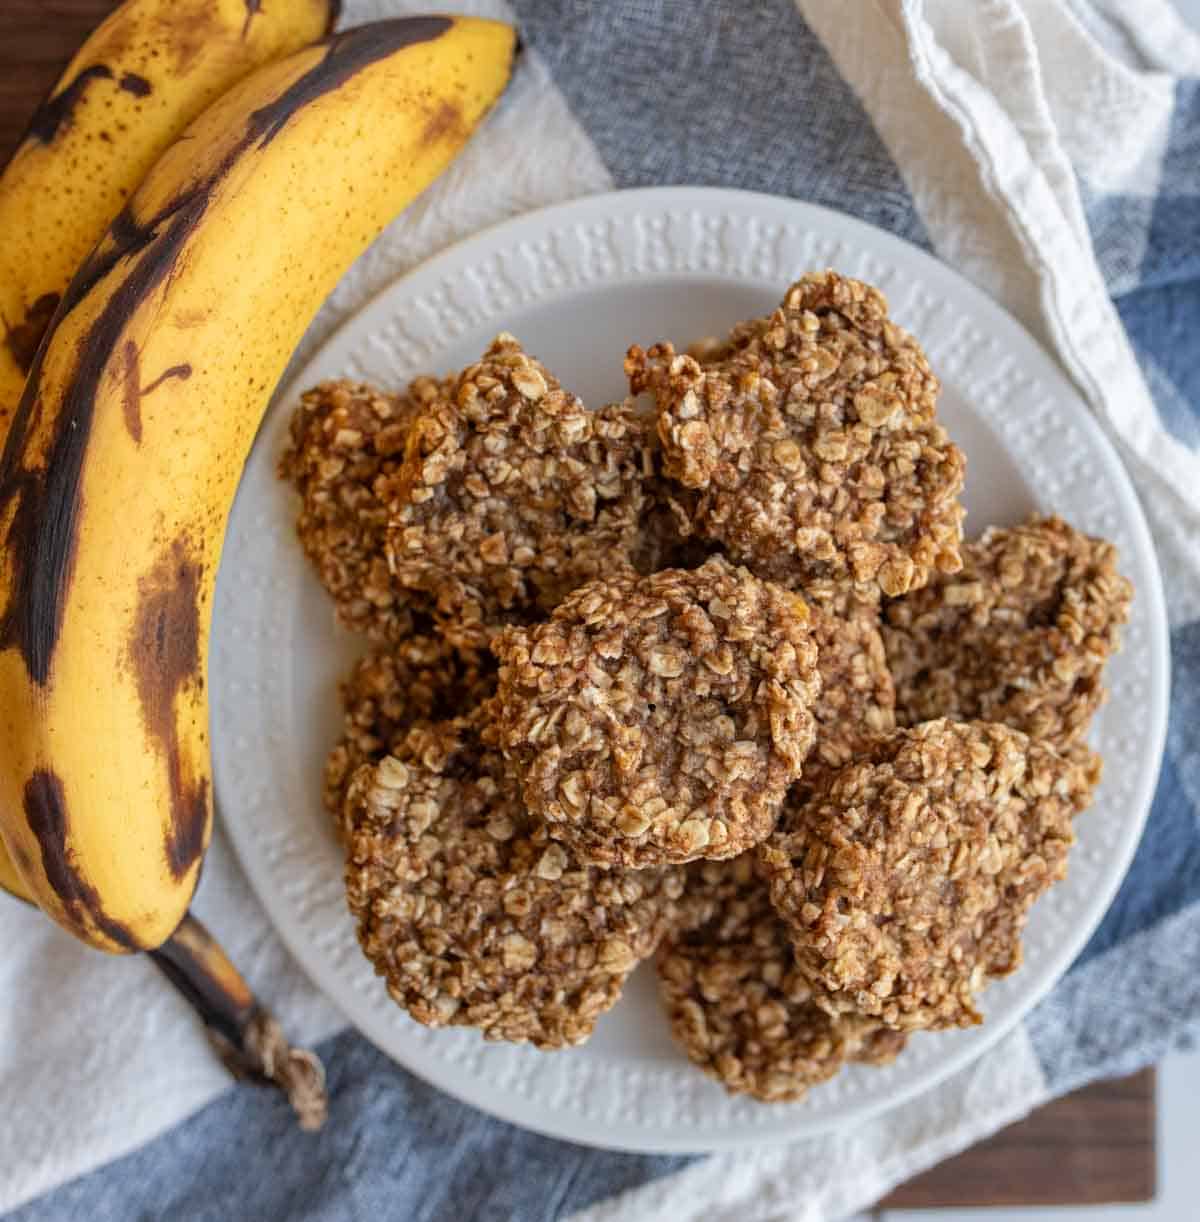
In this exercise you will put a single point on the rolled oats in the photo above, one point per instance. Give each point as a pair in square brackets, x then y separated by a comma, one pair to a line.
[660, 719]
[471, 914]
[857, 700]
[345, 445]
[738, 1004]
[1020, 635]
[811, 442]
[654, 703]
[512, 493]
[907, 877]
[391, 690]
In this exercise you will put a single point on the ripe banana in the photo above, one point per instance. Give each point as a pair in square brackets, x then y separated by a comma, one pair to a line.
[136, 418]
[10, 880]
[246, 1037]
[136, 83]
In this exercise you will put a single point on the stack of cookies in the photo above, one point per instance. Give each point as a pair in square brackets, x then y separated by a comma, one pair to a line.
[706, 676]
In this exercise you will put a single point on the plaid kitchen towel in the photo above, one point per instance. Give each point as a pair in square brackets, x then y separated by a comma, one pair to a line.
[1049, 150]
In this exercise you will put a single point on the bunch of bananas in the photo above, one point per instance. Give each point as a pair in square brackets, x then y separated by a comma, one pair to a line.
[179, 209]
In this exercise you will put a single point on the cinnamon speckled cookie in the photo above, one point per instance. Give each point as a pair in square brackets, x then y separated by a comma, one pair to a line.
[907, 877]
[391, 690]
[1020, 635]
[345, 444]
[471, 914]
[811, 444]
[512, 493]
[739, 1006]
[659, 719]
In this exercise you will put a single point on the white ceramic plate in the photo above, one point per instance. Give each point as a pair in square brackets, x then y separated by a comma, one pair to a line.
[578, 283]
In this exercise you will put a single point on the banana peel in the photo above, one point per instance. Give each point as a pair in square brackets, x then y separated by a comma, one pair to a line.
[142, 76]
[132, 430]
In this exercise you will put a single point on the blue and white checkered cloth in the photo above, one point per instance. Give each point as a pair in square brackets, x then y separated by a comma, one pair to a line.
[1048, 149]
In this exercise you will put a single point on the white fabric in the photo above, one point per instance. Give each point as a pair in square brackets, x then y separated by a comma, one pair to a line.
[98, 1054]
[1150, 32]
[989, 111]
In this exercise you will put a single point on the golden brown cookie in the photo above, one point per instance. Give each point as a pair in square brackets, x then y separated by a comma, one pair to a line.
[471, 914]
[738, 1005]
[812, 444]
[513, 493]
[659, 719]
[345, 444]
[1020, 635]
[907, 877]
[857, 700]
[391, 690]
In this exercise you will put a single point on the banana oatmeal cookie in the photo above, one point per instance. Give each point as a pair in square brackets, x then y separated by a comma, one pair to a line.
[1019, 636]
[391, 690]
[907, 877]
[846, 600]
[513, 493]
[812, 442]
[708, 886]
[471, 914]
[857, 700]
[660, 719]
[739, 1006]
[344, 448]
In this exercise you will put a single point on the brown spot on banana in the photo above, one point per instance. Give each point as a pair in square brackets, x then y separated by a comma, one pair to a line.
[55, 111]
[165, 659]
[446, 121]
[182, 372]
[133, 392]
[346, 54]
[253, 8]
[195, 317]
[23, 340]
[183, 40]
[42, 534]
[131, 82]
[47, 816]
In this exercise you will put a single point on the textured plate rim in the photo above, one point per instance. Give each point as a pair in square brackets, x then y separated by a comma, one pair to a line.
[929, 273]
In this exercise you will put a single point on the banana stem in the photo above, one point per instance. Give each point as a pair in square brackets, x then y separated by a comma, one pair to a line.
[245, 1036]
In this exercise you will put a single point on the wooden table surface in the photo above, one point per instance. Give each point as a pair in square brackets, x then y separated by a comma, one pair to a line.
[1092, 1147]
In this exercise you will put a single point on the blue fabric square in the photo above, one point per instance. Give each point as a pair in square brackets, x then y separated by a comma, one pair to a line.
[722, 93]
[393, 1148]
[1173, 249]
